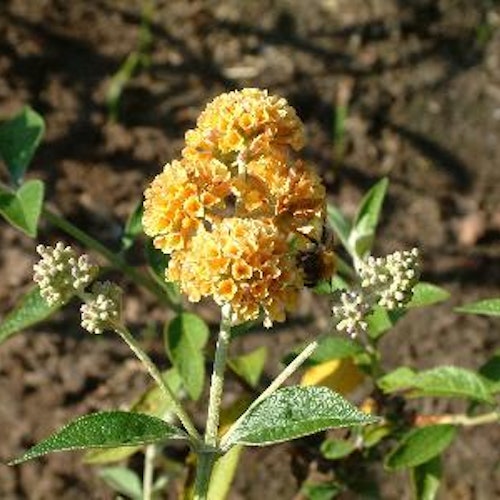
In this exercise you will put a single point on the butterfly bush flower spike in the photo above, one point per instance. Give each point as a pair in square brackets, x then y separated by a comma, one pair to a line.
[233, 211]
[60, 273]
[102, 309]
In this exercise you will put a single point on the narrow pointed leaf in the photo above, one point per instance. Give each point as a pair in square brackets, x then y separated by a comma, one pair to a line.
[340, 225]
[426, 294]
[426, 478]
[293, 412]
[19, 139]
[366, 220]
[152, 402]
[22, 208]
[31, 309]
[104, 430]
[185, 339]
[488, 307]
[420, 446]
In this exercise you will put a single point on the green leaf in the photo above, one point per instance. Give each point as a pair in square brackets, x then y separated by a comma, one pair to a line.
[329, 347]
[333, 449]
[426, 294]
[293, 412]
[185, 338]
[366, 220]
[249, 366]
[104, 430]
[397, 380]
[443, 381]
[420, 446]
[152, 402]
[223, 474]
[22, 208]
[490, 371]
[31, 309]
[340, 225]
[19, 139]
[122, 480]
[380, 321]
[488, 307]
[426, 478]
[452, 381]
[133, 227]
[321, 491]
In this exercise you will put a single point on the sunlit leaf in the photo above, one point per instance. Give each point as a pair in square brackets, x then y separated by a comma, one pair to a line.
[488, 307]
[103, 430]
[365, 223]
[152, 402]
[426, 294]
[293, 412]
[443, 381]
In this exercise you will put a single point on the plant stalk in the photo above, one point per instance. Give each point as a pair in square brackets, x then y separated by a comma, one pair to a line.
[147, 477]
[461, 419]
[208, 455]
[155, 373]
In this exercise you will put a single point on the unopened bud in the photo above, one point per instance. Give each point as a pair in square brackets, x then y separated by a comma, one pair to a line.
[103, 308]
[60, 273]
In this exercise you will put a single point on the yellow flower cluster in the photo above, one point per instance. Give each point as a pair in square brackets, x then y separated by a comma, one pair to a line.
[245, 262]
[231, 210]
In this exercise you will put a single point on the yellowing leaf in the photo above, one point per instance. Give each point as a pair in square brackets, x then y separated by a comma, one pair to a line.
[340, 375]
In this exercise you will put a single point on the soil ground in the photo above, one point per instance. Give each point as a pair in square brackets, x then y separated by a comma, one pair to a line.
[421, 81]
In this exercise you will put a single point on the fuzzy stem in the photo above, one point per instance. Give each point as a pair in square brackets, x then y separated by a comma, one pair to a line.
[147, 477]
[462, 419]
[273, 387]
[208, 455]
[155, 373]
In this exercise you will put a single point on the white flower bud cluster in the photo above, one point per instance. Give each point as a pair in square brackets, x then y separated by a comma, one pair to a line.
[102, 308]
[350, 313]
[391, 278]
[60, 273]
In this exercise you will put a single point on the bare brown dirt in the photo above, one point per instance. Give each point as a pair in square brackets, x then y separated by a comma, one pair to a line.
[421, 80]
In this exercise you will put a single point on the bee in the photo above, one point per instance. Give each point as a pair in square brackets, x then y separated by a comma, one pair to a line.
[318, 260]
